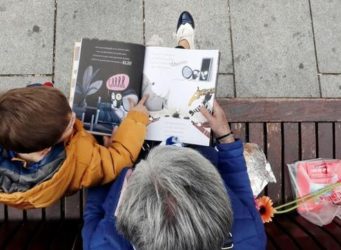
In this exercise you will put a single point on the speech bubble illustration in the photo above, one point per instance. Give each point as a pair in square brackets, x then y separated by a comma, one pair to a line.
[118, 82]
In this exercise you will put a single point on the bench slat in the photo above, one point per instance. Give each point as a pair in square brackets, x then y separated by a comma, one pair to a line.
[256, 135]
[34, 214]
[15, 214]
[239, 129]
[279, 110]
[44, 235]
[296, 233]
[67, 235]
[7, 231]
[274, 155]
[323, 238]
[337, 140]
[54, 212]
[325, 140]
[2, 213]
[308, 140]
[23, 235]
[291, 154]
[73, 206]
[281, 240]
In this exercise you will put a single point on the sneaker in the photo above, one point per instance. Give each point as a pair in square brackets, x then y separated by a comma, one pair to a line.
[185, 29]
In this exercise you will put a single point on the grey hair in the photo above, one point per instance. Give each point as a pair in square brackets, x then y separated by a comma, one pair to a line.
[174, 200]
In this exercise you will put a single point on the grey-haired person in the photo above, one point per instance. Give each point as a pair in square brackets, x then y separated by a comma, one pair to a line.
[179, 198]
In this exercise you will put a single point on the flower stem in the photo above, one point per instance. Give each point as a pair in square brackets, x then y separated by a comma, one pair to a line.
[289, 206]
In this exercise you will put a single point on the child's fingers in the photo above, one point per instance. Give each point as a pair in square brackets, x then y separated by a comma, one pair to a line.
[143, 100]
[131, 103]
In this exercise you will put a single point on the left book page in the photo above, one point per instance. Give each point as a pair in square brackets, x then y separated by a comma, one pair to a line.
[105, 75]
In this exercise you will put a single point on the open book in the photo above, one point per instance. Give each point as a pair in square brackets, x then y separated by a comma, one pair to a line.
[106, 74]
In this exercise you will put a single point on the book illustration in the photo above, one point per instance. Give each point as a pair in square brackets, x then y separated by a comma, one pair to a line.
[108, 75]
[203, 74]
[179, 83]
[163, 98]
[105, 114]
[87, 87]
[106, 82]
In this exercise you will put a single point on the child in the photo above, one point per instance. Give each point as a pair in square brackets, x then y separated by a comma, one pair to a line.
[45, 152]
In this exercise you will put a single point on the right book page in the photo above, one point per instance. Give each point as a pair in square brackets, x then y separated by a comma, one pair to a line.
[179, 82]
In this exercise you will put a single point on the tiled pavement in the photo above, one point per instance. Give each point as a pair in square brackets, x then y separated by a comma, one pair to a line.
[269, 48]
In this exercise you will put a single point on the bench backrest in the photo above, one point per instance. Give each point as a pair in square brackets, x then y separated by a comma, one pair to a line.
[287, 129]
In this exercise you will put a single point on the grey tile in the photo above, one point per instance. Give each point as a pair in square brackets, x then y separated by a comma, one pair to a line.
[11, 82]
[273, 49]
[225, 86]
[26, 39]
[327, 20]
[211, 25]
[331, 85]
[104, 19]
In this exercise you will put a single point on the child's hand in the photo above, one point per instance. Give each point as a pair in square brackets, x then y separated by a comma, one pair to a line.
[140, 107]
[218, 122]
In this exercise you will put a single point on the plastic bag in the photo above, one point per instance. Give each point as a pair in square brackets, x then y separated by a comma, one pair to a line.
[258, 168]
[312, 175]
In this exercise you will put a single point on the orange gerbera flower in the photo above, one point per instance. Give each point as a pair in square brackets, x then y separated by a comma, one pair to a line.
[264, 206]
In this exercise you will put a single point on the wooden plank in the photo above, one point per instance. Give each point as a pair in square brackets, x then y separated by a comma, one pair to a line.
[7, 231]
[280, 109]
[281, 239]
[337, 140]
[67, 235]
[323, 238]
[270, 245]
[72, 206]
[44, 235]
[2, 213]
[325, 140]
[274, 155]
[23, 235]
[54, 212]
[300, 237]
[34, 214]
[308, 140]
[78, 244]
[291, 155]
[256, 135]
[337, 221]
[15, 214]
[335, 230]
[239, 130]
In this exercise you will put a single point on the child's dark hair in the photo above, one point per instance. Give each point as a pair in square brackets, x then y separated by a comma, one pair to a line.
[32, 119]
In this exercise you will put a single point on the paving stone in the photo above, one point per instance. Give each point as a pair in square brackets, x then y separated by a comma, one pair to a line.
[104, 19]
[212, 25]
[11, 82]
[273, 49]
[26, 39]
[225, 86]
[331, 85]
[327, 20]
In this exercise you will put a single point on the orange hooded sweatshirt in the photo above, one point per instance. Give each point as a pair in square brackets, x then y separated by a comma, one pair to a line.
[87, 163]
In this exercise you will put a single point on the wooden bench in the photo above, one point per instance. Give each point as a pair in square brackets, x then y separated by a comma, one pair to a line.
[287, 129]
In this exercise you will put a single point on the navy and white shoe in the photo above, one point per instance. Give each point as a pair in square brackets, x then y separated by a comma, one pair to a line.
[185, 29]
